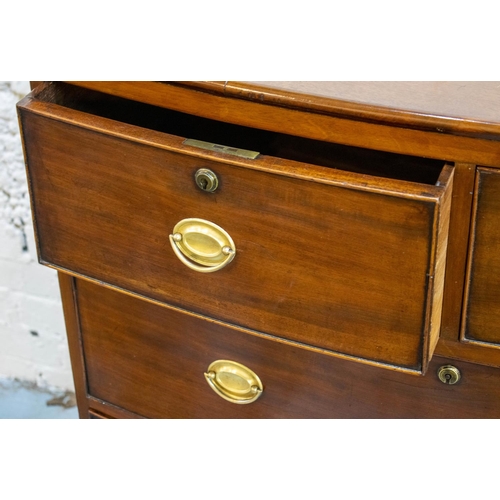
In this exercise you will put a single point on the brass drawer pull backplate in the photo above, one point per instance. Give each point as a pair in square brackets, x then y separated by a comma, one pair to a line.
[202, 245]
[234, 382]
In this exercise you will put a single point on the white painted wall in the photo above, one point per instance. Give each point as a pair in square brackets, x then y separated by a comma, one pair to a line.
[33, 344]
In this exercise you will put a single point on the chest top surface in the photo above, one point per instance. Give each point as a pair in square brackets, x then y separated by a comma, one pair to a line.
[478, 101]
[462, 108]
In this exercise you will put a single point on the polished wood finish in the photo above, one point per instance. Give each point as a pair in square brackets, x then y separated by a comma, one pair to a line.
[342, 130]
[462, 108]
[482, 313]
[382, 201]
[151, 360]
[466, 350]
[66, 286]
[105, 410]
[313, 283]
[458, 242]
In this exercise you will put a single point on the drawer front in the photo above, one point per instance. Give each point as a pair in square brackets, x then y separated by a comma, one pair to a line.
[150, 360]
[482, 313]
[334, 260]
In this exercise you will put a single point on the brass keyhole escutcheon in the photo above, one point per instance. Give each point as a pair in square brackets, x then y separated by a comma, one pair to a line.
[206, 180]
[449, 374]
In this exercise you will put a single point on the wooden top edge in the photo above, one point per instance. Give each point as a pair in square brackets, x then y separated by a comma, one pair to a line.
[468, 109]
[460, 108]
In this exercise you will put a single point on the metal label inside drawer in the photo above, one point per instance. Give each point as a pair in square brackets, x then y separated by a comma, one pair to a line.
[243, 153]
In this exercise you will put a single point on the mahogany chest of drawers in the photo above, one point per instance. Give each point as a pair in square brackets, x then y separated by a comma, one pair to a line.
[272, 250]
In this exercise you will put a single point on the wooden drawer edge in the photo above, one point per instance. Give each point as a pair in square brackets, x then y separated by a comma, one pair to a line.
[235, 327]
[109, 410]
[269, 164]
[397, 139]
[470, 352]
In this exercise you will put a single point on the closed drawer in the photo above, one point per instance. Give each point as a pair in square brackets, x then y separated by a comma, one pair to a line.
[150, 360]
[482, 312]
[347, 259]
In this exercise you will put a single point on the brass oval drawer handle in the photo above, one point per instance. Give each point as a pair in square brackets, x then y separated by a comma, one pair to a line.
[234, 382]
[202, 245]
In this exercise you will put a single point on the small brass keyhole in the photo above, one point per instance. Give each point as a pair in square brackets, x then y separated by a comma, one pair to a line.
[206, 180]
[449, 374]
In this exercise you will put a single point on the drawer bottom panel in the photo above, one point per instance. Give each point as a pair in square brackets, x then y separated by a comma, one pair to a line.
[151, 360]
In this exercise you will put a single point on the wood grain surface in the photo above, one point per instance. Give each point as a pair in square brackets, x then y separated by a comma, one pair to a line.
[462, 108]
[465, 101]
[458, 243]
[150, 360]
[347, 262]
[341, 228]
[482, 312]
[414, 134]
[67, 288]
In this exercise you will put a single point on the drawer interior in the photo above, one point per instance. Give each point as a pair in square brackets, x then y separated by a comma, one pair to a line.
[348, 158]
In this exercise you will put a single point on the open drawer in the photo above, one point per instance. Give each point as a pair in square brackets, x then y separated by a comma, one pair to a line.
[336, 249]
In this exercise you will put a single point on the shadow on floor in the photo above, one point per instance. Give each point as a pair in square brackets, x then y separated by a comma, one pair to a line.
[22, 400]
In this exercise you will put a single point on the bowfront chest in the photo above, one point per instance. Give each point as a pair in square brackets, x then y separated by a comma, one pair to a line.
[273, 249]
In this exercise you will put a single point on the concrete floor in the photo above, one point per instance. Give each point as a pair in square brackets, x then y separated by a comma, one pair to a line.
[25, 400]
